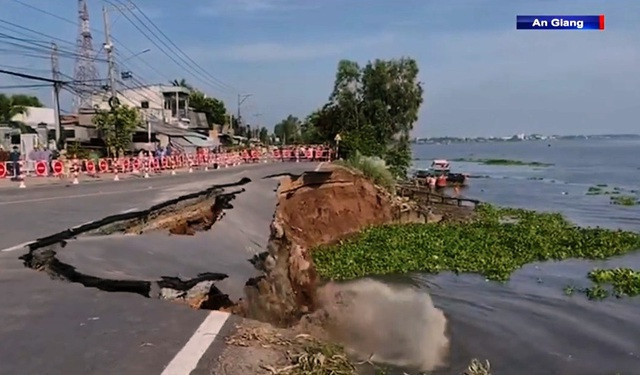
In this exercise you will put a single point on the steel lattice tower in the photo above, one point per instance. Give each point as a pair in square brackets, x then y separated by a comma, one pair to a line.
[85, 73]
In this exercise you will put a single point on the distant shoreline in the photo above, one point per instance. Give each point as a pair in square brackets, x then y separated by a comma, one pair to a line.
[523, 138]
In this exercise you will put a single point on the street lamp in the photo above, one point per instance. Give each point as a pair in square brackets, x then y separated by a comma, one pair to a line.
[127, 74]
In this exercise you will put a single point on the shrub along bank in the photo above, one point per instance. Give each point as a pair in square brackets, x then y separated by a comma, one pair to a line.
[496, 243]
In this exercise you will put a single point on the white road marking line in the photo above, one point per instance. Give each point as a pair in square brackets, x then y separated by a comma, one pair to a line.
[319, 166]
[16, 247]
[188, 357]
[71, 196]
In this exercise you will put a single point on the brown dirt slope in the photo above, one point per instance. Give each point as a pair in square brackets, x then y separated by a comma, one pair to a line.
[313, 209]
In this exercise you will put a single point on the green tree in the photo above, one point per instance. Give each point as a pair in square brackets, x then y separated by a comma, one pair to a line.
[117, 127]
[13, 105]
[288, 130]
[181, 83]
[213, 108]
[264, 135]
[373, 108]
[312, 129]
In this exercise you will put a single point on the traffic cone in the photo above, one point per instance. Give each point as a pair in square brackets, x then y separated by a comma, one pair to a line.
[116, 178]
[75, 179]
[190, 169]
[22, 184]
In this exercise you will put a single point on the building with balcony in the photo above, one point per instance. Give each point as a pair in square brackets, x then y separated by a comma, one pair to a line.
[155, 102]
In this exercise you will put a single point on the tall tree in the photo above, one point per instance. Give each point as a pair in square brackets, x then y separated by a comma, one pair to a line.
[181, 83]
[213, 108]
[373, 109]
[117, 127]
[392, 96]
[264, 135]
[288, 130]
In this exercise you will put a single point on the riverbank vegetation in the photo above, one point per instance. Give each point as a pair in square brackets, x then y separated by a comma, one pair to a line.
[496, 243]
[373, 167]
[504, 162]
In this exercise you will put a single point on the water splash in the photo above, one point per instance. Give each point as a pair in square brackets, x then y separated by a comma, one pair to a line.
[397, 325]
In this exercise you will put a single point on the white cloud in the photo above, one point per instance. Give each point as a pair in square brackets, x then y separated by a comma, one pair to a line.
[275, 51]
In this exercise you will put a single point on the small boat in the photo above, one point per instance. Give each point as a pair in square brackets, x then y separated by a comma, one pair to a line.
[440, 172]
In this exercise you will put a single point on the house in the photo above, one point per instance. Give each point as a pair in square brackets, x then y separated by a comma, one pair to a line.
[41, 120]
[155, 102]
[167, 119]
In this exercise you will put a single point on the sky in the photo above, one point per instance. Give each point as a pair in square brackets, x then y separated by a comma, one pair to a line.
[482, 77]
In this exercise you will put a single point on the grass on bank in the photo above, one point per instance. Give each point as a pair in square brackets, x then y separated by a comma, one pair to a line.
[496, 243]
[504, 162]
[373, 168]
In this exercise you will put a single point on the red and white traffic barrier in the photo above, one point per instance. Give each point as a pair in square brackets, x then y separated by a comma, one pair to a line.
[90, 167]
[41, 168]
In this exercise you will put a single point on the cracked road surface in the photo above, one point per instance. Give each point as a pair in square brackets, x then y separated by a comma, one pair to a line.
[53, 327]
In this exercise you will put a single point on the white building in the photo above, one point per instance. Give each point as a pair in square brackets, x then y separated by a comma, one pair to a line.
[40, 119]
[156, 102]
[165, 112]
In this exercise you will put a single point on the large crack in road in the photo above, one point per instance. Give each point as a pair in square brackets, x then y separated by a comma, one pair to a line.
[183, 215]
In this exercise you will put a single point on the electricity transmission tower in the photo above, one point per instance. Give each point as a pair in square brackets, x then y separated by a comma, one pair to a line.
[85, 73]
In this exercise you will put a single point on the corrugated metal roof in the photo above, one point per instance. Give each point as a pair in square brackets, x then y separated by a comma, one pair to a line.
[201, 142]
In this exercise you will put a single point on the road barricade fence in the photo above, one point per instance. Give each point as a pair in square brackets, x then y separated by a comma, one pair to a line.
[71, 168]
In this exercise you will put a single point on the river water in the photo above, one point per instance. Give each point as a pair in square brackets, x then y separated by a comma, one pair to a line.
[528, 325]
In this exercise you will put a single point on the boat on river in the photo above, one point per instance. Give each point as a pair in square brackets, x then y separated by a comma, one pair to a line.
[440, 171]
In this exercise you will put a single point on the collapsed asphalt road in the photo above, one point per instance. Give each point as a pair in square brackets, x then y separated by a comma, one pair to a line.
[53, 326]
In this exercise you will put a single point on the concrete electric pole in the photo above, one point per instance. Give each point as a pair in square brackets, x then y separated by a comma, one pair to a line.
[108, 47]
[55, 75]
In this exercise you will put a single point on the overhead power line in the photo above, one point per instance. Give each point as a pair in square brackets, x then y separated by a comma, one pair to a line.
[162, 46]
[35, 45]
[93, 29]
[204, 71]
[32, 31]
[23, 86]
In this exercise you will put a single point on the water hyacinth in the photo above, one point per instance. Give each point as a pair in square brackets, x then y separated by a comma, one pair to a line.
[498, 242]
[624, 282]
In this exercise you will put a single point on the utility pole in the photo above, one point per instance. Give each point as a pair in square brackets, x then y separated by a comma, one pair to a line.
[108, 46]
[55, 75]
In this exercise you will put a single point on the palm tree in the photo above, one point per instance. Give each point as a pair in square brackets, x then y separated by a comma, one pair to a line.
[13, 105]
[181, 83]
[9, 108]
